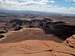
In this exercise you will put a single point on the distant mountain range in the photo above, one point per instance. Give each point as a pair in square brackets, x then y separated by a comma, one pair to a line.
[34, 13]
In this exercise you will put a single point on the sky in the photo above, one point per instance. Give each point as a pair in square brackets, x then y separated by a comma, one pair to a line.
[57, 6]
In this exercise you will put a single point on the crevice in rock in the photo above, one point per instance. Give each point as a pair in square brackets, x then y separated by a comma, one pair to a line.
[52, 52]
[2, 32]
[1, 36]
[17, 28]
[69, 44]
[65, 53]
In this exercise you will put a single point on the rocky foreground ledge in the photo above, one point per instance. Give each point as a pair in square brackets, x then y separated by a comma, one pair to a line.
[34, 42]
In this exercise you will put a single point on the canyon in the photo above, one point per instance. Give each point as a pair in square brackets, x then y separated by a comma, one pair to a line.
[37, 36]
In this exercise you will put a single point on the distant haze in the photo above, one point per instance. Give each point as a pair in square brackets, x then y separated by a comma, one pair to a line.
[55, 6]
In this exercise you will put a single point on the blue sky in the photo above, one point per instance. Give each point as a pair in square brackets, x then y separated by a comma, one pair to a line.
[59, 6]
[64, 3]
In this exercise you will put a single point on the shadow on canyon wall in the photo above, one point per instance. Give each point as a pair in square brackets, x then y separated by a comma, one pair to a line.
[60, 29]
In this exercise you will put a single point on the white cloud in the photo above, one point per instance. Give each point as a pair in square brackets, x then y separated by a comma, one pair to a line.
[70, 1]
[40, 5]
[25, 1]
[52, 1]
[73, 0]
[70, 10]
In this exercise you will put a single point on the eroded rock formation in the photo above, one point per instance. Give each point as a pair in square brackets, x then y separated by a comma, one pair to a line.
[37, 37]
[58, 28]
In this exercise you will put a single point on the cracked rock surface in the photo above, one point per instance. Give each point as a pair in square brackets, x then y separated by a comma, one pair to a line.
[34, 42]
[70, 41]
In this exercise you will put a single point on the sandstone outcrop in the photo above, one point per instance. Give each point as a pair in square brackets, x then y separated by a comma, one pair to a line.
[70, 41]
[33, 42]
[37, 36]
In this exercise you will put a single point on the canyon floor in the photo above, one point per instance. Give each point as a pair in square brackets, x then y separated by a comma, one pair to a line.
[34, 42]
[26, 41]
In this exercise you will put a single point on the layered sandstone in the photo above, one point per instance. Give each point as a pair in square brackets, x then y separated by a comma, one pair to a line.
[33, 42]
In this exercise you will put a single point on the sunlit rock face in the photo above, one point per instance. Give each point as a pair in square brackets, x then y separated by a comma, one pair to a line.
[70, 41]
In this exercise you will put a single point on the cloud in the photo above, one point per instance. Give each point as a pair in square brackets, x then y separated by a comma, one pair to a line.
[35, 5]
[70, 10]
[52, 1]
[27, 1]
[71, 1]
